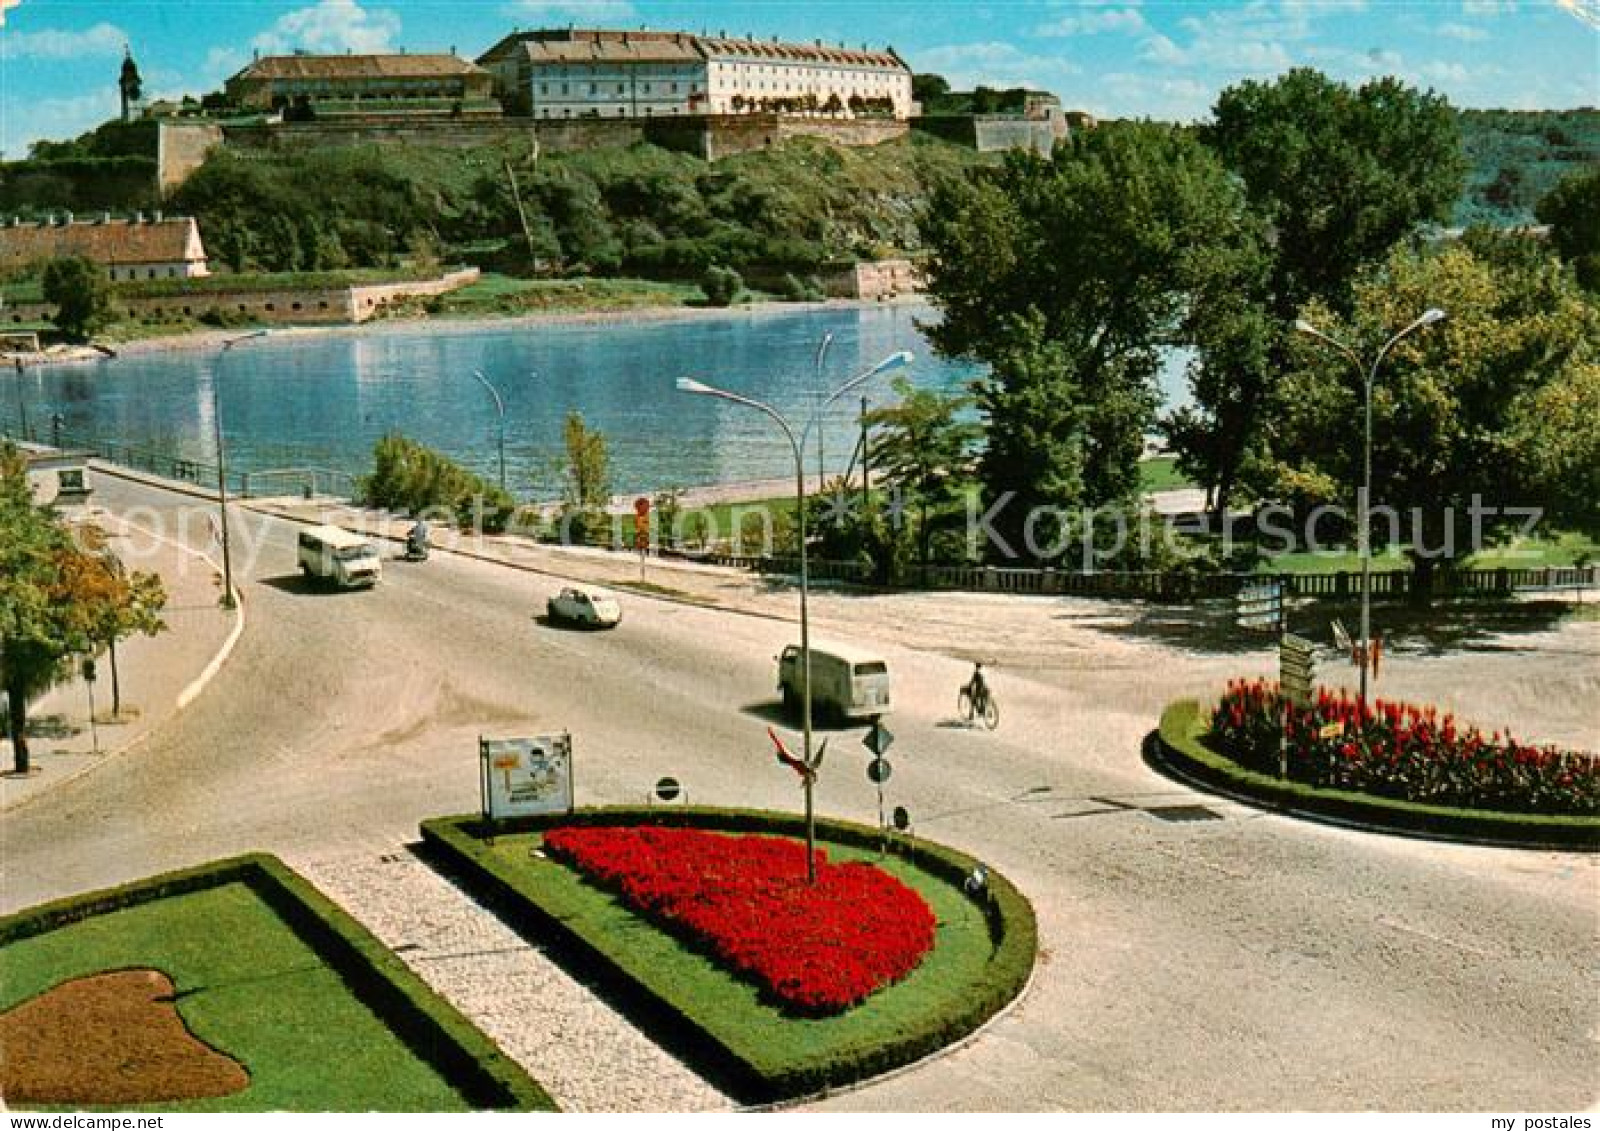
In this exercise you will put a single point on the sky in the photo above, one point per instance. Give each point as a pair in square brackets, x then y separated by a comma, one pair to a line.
[1163, 59]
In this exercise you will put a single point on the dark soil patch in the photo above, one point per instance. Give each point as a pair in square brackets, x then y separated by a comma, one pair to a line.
[110, 1039]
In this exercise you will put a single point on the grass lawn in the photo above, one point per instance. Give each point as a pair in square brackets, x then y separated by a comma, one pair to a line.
[248, 986]
[732, 1009]
[1161, 474]
[502, 294]
[1557, 549]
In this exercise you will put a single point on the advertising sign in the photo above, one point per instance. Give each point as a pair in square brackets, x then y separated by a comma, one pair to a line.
[524, 777]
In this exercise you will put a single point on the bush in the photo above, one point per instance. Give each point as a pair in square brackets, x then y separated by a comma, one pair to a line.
[794, 290]
[1402, 751]
[722, 285]
[412, 478]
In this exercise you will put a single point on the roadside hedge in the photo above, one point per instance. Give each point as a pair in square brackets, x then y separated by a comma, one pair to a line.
[431, 1028]
[657, 1002]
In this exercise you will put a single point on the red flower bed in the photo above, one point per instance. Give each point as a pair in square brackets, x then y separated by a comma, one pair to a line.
[816, 948]
[1403, 751]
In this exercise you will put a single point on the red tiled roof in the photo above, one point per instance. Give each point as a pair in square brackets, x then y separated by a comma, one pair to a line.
[597, 45]
[356, 67]
[174, 240]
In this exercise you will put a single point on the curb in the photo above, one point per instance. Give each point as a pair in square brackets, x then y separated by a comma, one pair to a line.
[185, 697]
[1366, 815]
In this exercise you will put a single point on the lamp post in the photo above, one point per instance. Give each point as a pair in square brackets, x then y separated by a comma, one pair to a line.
[222, 472]
[797, 447]
[1368, 376]
[816, 393]
[500, 407]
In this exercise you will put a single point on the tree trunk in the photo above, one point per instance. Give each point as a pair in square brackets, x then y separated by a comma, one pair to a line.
[17, 714]
[116, 684]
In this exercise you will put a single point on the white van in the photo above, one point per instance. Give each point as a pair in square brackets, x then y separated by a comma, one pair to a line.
[846, 682]
[330, 553]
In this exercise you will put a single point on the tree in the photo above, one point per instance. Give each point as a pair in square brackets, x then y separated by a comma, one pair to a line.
[587, 490]
[928, 88]
[81, 294]
[1473, 420]
[58, 599]
[1337, 176]
[721, 285]
[1069, 276]
[1572, 209]
[113, 603]
[924, 447]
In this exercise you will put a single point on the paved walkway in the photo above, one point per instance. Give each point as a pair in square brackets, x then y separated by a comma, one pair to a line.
[586, 1055]
[159, 675]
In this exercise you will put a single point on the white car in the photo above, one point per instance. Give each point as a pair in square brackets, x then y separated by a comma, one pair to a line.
[587, 607]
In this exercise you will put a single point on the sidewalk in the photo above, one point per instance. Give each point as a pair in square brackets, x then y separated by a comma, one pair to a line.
[159, 675]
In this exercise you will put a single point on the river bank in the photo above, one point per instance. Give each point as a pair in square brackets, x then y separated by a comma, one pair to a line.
[200, 339]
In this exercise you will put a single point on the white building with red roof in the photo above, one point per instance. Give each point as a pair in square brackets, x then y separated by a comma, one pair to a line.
[144, 247]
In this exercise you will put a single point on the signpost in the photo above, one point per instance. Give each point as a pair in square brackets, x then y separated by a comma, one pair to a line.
[1260, 606]
[641, 530]
[524, 777]
[1297, 669]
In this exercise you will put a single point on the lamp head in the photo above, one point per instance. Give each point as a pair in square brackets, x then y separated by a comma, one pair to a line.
[1304, 327]
[893, 361]
[1430, 316]
[690, 385]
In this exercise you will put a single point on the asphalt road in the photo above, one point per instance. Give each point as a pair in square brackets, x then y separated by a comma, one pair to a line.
[1210, 959]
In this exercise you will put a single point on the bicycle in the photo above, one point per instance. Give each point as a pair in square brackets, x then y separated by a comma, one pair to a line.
[977, 701]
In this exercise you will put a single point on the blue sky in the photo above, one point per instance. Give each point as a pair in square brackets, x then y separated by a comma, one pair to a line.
[1115, 58]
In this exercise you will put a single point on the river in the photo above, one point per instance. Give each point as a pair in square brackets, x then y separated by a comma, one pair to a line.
[321, 400]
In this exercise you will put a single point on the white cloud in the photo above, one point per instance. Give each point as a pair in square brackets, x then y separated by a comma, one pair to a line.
[331, 27]
[1446, 74]
[995, 64]
[1488, 7]
[1141, 94]
[220, 63]
[32, 119]
[1466, 33]
[1094, 21]
[585, 13]
[5, 4]
[47, 43]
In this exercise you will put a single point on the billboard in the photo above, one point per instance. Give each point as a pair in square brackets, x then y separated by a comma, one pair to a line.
[524, 777]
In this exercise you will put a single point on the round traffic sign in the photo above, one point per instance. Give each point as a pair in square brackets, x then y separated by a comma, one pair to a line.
[668, 789]
[878, 770]
[902, 818]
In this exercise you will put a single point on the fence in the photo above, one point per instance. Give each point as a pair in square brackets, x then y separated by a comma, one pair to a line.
[164, 463]
[1179, 587]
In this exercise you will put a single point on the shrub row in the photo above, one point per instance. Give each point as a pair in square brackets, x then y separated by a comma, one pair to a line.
[749, 1073]
[1180, 748]
[431, 1028]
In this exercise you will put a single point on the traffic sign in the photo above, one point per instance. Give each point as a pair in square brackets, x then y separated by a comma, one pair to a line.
[879, 771]
[878, 739]
[667, 789]
[902, 818]
[1297, 669]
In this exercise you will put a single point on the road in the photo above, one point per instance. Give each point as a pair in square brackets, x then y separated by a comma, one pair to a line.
[1227, 960]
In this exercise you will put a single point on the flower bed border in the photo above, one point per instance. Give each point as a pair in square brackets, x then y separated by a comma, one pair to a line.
[434, 1031]
[671, 1016]
[1178, 750]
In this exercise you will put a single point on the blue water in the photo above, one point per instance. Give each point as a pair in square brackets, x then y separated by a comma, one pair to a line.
[321, 401]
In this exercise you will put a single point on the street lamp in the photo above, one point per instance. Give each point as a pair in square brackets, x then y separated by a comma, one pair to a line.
[500, 407]
[222, 472]
[797, 446]
[816, 393]
[1368, 376]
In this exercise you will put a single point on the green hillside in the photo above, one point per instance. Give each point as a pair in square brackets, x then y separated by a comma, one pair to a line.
[1517, 156]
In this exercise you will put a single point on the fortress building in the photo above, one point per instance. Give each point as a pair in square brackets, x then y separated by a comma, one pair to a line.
[573, 73]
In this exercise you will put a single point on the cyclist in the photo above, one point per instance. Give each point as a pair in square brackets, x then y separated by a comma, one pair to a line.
[978, 687]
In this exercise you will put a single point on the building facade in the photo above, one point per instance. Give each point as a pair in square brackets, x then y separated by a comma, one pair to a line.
[335, 84]
[573, 73]
[145, 247]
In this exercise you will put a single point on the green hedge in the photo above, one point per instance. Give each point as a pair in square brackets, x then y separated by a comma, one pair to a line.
[755, 1074]
[430, 1027]
[1179, 749]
